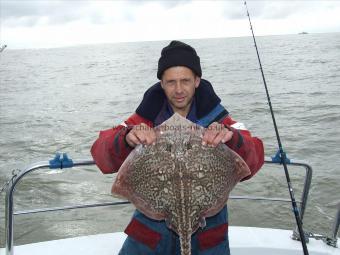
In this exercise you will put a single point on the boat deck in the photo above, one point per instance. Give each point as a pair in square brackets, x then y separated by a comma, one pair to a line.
[243, 241]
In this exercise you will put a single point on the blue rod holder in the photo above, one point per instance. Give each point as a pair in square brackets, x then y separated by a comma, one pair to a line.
[60, 161]
[278, 159]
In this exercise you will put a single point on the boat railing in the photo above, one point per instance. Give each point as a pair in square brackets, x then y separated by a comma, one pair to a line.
[2, 48]
[62, 161]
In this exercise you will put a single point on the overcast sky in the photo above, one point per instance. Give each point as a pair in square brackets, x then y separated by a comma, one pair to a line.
[48, 23]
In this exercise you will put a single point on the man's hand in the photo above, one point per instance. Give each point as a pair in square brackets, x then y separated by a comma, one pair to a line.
[216, 133]
[141, 134]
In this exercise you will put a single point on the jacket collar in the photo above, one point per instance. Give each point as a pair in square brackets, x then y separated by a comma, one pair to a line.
[205, 98]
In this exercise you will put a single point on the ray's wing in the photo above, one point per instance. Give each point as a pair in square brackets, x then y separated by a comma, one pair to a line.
[144, 179]
[214, 173]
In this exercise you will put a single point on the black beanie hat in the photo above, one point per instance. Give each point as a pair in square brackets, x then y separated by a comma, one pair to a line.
[179, 54]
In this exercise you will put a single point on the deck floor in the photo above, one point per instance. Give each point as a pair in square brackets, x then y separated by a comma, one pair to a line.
[243, 241]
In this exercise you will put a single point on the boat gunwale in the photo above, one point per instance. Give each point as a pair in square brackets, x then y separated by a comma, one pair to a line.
[9, 210]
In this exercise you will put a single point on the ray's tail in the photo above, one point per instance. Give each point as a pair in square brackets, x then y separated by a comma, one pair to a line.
[185, 241]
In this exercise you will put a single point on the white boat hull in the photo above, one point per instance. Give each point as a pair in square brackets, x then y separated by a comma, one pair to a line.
[243, 241]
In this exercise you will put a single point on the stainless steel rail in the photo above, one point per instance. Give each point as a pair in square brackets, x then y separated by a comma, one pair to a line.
[9, 210]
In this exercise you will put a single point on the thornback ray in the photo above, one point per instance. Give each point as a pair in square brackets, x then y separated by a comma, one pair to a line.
[178, 179]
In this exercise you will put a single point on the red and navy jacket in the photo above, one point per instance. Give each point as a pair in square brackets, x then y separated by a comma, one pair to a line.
[110, 150]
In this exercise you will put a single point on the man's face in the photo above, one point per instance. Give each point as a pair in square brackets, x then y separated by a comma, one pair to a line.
[179, 84]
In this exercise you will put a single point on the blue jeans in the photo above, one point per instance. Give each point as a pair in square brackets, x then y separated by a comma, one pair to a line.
[151, 237]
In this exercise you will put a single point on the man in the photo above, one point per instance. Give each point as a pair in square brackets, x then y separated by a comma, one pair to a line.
[180, 90]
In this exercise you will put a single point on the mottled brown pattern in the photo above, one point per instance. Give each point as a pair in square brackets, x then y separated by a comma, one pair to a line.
[178, 179]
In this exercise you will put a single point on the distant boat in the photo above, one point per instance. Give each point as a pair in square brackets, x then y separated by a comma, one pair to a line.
[2, 48]
[303, 33]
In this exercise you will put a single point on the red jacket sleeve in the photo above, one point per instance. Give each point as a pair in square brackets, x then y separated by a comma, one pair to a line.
[110, 149]
[248, 147]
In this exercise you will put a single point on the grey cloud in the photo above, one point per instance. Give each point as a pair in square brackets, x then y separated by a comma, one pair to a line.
[276, 9]
[237, 10]
[18, 9]
[29, 13]
[281, 10]
[174, 3]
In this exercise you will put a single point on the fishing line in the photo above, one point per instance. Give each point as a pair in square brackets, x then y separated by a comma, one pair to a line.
[282, 153]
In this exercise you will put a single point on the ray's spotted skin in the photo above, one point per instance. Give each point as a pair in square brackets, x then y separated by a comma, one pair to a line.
[178, 179]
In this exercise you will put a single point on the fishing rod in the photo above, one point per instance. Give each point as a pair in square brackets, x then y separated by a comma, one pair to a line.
[282, 153]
